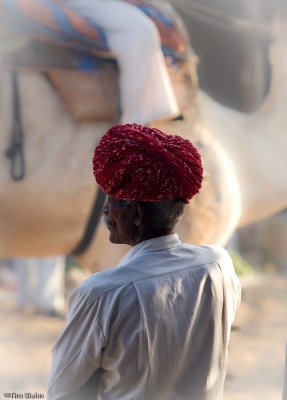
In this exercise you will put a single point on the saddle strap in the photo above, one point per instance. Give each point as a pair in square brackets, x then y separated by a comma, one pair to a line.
[15, 150]
[92, 224]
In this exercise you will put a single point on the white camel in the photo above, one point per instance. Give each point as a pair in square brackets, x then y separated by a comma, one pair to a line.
[257, 142]
[46, 213]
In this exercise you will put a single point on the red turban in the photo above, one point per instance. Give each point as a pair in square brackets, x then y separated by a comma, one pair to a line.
[134, 162]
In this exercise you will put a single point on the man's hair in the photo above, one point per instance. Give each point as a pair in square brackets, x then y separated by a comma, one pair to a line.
[163, 214]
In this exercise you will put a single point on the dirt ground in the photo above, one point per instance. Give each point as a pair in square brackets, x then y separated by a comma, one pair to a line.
[257, 349]
[256, 357]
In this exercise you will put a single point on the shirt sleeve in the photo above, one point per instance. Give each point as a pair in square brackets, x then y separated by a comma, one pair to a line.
[76, 355]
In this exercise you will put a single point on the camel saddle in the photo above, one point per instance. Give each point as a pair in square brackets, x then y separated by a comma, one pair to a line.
[45, 36]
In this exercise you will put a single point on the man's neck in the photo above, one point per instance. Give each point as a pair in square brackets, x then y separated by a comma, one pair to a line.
[152, 235]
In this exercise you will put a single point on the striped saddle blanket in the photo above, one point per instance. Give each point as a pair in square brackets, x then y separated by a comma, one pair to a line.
[46, 35]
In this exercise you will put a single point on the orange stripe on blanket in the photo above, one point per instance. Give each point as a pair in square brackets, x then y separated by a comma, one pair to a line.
[39, 13]
[81, 25]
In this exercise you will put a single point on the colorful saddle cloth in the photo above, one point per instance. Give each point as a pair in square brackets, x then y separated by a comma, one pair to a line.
[52, 21]
[47, 36]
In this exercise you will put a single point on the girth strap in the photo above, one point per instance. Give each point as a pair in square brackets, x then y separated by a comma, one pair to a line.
[92, 224]
[15, 150]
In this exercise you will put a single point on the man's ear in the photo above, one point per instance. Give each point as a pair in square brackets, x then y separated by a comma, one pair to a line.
[138, 214]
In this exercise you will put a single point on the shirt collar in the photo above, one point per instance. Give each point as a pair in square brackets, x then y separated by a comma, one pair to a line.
[147, 246]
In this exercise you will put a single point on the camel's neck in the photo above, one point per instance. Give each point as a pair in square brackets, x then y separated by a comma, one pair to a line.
[256, 143]
[276, 100]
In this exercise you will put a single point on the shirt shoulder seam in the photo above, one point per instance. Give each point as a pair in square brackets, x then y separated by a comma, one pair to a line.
[132, 282]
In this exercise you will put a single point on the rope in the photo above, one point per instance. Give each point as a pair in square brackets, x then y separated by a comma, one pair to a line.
[92, 224]
[15, 150]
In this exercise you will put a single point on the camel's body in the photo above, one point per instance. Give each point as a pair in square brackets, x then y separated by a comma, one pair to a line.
[256, 143]
[46, 213]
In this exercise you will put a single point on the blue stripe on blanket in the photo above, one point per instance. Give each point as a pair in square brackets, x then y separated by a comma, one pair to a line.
[153, 13]
[71, 33]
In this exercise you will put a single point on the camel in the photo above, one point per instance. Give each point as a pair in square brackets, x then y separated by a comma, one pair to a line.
[256, 142]
[46, 213]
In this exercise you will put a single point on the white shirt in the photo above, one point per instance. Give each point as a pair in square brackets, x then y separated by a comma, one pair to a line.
[155, 327]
